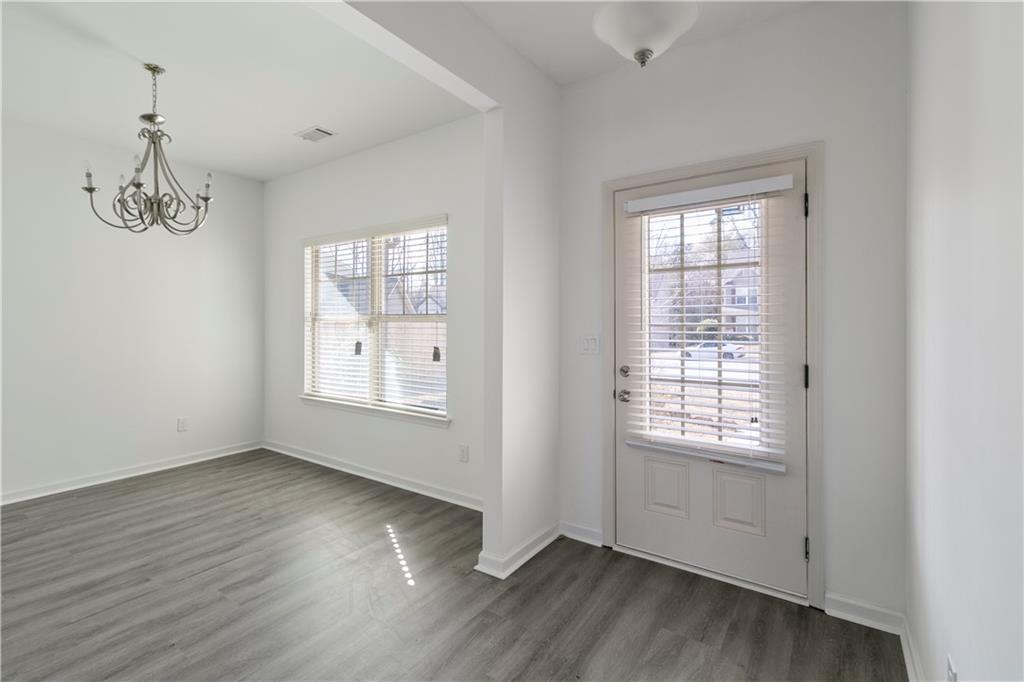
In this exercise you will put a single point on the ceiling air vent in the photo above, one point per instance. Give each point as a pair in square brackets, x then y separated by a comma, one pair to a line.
[314, 134]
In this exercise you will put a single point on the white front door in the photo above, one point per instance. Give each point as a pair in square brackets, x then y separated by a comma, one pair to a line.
[710, 453]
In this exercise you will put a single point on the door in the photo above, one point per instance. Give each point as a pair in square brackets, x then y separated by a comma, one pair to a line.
[710, 452]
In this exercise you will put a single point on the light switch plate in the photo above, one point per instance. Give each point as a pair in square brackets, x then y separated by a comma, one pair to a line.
[590, 345]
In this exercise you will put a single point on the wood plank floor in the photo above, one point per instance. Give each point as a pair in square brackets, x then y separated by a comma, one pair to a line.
[261, 566]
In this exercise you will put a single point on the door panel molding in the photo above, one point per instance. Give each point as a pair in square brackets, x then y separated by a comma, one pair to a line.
[813, 154]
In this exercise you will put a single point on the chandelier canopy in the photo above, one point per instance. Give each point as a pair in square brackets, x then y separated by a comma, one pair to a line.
[167, 203]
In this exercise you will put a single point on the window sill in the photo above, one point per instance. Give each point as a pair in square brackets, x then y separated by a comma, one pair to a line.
[379, 411]
[773, 466]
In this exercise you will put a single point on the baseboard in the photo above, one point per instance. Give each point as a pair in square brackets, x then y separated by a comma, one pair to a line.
[914, 670]
[886, 620]
[126, 472]
[410, 484]
[502, 568]
[856, 611]
[591, 536]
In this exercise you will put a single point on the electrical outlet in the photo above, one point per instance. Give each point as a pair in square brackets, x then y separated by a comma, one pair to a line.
[950, 670]
[590, 345]
[463, 453]
[182, 424]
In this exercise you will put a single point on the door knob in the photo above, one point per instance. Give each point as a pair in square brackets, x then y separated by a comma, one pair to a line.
[624, 371]
[624, 395]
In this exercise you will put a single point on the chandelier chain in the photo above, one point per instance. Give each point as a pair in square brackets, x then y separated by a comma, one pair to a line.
[154, 92]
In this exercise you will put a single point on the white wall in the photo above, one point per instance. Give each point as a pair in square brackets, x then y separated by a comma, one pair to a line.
[964, 564]
[437, 171]
[522, 419]
[109, 337]
[833, 72]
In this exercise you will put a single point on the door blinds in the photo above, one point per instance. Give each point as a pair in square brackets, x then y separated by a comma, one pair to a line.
[376, 319]
[706, 328]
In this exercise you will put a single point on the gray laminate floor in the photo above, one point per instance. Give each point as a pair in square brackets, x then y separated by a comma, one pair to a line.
[260, 566]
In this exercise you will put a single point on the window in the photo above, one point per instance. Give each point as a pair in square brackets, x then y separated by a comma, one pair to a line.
[376, 319]
[711, 354]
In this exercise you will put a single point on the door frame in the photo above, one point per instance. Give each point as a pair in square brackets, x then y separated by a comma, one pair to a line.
[813, 153]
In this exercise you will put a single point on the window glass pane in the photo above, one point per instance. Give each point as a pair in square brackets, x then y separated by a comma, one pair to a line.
[666, 309]
[410, 373]
[416, 294]
[437, 293]
[741, 233]
[339, 369]
[410, 287]
[343, 279]
[700, 237]
[703, 323]
[700, 305]
[393, 295]
[663, 242]
[438, 250]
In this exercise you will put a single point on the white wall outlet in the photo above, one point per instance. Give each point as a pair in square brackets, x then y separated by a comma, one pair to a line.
[463, 453]
[950, 670]
[182, 424]
[590, 345]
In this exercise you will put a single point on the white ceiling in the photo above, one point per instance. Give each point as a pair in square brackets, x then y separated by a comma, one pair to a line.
[557, 36]
[241, 79]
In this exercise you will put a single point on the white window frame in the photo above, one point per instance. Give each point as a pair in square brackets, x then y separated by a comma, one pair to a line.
[373, 405]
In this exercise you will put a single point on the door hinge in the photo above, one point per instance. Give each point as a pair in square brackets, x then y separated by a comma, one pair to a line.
[807, 548]
[807, 204]
[807, 376]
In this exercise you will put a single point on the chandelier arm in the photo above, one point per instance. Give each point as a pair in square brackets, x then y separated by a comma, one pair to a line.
[199, 215]
[198, 220]
[169, 218]
[154, 198]
[144, 206]
[117, 205]
[199, 212]
[92, 204]
[176, 189]
[173, 179]
[123, 210]
[142, 201]
[147, 135]
[176, 230]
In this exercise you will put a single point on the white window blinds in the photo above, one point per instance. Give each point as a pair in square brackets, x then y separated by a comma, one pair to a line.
[707, 330]
[376, 319]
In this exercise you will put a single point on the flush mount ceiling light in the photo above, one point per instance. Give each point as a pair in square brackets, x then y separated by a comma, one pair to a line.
[641, 31]
[168, 204]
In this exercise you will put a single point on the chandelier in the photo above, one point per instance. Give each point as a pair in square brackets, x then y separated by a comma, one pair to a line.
[168, 203]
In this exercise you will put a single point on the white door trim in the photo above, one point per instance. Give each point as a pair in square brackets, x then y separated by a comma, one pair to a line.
[814, 154]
